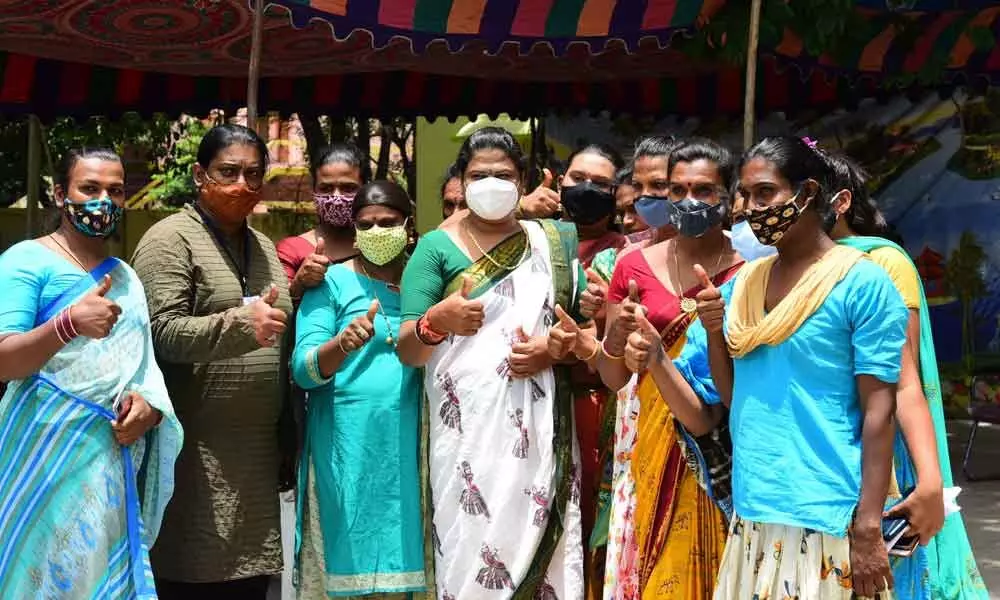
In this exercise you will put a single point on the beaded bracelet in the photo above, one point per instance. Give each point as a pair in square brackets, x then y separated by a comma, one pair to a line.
[427, 335]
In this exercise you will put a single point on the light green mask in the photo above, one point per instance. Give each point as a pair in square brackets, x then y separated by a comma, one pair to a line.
[381, 245]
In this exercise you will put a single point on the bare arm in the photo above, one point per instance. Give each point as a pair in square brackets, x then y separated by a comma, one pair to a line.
[612, 369]
[696, 416]
[878, 403]
[721, 364]
[24, 354]
[913, 412]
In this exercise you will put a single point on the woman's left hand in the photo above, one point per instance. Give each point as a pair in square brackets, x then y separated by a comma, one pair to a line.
[924, 509]
[529, 355]
[136, 419]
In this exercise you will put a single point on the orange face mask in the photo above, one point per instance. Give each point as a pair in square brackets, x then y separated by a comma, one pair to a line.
[231, 202]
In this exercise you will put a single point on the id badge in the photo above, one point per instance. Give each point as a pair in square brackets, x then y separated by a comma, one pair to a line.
[250, 299]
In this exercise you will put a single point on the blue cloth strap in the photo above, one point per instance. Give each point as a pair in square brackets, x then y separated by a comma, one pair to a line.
[77, 289]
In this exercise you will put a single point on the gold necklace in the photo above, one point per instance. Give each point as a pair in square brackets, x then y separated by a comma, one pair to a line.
[389, 339]
[690, 305]
[496, 264]
[68, 253]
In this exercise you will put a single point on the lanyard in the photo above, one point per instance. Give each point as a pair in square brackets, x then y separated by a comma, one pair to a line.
[242, 269]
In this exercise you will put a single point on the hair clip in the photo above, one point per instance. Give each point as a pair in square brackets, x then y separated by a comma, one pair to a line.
[809, 142]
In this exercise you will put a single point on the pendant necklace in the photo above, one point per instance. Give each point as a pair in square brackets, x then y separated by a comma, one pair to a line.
[388, 327]
[524, 253]
[68, 253]
[690, 305]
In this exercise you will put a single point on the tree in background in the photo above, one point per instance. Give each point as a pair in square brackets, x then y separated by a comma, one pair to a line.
[963, 274]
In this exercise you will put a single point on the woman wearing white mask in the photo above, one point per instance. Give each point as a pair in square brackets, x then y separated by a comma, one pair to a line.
[480, 296]
[359, 521]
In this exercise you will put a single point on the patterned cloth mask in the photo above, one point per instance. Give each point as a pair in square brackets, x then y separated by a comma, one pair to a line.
[771, 223]
[97, 217]
[334, 209]
[381, 245]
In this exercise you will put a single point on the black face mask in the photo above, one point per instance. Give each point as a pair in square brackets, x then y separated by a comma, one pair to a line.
[693, 218]
[585, 204]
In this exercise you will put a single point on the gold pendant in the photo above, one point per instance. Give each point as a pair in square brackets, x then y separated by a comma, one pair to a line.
[389, 340]
[689, 305]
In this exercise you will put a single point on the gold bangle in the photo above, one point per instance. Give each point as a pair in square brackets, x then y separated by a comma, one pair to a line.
[597, 348]
[604, 351]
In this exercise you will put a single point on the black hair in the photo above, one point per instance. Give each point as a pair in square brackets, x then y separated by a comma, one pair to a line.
[694, 149]
[603, 150]
[863, 217]
[345, 153]
[797, 162]
[624, 175]
[382, 192]
[451, 173]
[75, 155]
[221, 137]
[657, 146]
[491, 138]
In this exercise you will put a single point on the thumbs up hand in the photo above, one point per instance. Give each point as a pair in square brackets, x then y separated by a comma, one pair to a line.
[563, 336]
[543, 202]
[644, 344]
[456, 314]
[625, 323]
[529, 355]
[94, 316]
[268, 321]
[711, 307]
[593, 299]
[313, 269]
[359, 331]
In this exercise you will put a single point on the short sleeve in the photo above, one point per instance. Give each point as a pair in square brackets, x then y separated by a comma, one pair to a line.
[423, 282]
[23, 281]
[693, 364]
[902, 273]
[878, 320]
[290, 254]
[315, 324]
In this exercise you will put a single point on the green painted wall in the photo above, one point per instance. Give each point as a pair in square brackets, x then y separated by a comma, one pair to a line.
[435, 150]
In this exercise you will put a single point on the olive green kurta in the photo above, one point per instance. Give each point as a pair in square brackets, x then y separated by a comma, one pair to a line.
[223, 522]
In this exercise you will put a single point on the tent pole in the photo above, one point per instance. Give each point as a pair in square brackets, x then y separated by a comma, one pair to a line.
[749, 100]
[253, 80]
[34, 175]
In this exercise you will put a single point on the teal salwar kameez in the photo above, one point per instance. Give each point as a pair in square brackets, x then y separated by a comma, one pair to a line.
[946, 568]
[359, 528]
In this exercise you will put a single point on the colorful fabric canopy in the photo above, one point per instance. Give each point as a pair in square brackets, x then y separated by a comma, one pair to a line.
[492, 23]
[50, 88]
[951, 43]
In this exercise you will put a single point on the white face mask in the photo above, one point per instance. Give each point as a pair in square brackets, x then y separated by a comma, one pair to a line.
[492, 199]
[745, 242]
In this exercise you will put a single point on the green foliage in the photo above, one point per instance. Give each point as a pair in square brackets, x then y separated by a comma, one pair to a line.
[175, 184]
[964, 276]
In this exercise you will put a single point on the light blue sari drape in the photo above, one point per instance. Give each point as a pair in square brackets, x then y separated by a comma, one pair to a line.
[79, 512]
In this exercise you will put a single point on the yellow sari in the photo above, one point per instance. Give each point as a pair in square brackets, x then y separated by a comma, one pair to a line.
[680, 532]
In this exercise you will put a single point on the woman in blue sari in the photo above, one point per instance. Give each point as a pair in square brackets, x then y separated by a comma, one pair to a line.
[88, 437]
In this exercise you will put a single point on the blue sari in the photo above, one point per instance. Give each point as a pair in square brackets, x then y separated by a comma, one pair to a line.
[78, 511]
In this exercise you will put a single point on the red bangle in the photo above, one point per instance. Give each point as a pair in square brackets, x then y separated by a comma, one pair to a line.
[69, 322]
[427, 335]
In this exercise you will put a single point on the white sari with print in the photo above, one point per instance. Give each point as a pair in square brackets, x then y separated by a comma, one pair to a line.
[493, 464]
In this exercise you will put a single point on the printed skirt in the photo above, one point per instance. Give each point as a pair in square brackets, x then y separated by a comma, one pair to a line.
[778, 562]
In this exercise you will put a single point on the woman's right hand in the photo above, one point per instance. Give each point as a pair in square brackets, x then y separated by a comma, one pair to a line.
[313, 269]
[268, 321]
[644, 344]
[456, 314]
[711, 306]
[625, 323]
[593, 299]
[94, 316]
[359, 331]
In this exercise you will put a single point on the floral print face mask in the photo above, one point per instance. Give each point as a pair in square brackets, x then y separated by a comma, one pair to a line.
[334, 209]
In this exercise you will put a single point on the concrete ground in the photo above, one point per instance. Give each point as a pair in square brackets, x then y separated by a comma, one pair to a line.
[980, 502]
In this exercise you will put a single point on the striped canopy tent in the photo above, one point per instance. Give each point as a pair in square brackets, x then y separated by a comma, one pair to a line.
[445, 58]
[932, 40]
